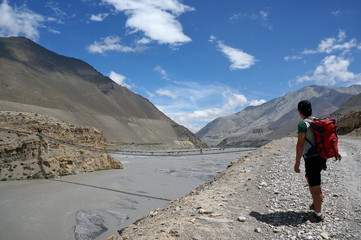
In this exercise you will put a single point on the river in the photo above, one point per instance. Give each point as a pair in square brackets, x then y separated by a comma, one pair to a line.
[96, 205]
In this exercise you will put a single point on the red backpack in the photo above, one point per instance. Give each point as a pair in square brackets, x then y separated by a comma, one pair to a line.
[326, 140]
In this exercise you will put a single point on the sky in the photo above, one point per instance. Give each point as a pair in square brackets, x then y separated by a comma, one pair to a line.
[198, 60]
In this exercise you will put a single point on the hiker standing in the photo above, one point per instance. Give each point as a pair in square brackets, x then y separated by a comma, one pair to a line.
[314, 164]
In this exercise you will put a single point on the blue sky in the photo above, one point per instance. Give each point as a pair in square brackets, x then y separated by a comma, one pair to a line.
[197, 60]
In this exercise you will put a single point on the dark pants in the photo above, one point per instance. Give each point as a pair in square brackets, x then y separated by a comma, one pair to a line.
[314, 165]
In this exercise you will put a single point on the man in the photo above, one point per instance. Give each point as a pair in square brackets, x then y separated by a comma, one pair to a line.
[314, 164]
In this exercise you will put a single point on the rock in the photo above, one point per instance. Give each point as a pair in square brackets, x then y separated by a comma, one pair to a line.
[258, 230]
[241, 219]
[153, 213]
[263, 184]
[88, 225]
[278, 229]
[325, 235]
[174, 233]
[215, 220]
[205, 211]
[197, 238]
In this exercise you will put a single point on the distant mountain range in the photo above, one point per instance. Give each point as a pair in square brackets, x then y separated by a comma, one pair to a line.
[278, 118]
[34, 79]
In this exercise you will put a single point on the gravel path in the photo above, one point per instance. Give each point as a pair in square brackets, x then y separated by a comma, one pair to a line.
[260, 197]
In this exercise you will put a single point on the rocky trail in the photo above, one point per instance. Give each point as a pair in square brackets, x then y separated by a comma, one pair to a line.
[260, 197]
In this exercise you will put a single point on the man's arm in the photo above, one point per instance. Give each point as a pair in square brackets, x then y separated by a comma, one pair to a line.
[299, 151]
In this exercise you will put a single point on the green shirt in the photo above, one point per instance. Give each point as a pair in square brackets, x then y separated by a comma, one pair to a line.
[302, 127]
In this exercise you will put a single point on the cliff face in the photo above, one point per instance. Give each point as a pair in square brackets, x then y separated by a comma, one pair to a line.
[24, 154]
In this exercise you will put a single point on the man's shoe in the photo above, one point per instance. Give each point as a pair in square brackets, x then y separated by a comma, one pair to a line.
[314, 218]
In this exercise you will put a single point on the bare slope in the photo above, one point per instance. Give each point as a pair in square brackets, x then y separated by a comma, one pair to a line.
[35, 79]
[276, 118]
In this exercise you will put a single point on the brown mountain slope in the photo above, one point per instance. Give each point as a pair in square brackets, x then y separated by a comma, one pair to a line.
[350, 123]
[34, 79]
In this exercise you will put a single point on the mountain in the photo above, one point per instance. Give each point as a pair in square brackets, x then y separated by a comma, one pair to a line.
[350, 124]
[274, 119]
[349, 117]
[34, 79]
[353, 104]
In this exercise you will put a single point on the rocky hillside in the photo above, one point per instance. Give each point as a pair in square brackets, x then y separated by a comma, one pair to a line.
[34, 79]
[26, 155]
[349, 117]
[274, 119]
[350, 124]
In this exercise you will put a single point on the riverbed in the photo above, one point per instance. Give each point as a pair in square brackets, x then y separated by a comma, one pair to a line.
[96, 205]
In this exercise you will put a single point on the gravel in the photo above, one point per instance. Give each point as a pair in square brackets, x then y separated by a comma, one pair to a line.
[260, 197]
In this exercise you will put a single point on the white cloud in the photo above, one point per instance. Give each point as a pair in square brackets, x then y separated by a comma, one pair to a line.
[144, 41]
[167, 93]
[257, 102]
[196, 105]
[234, 100]
[151, 95]
[119, 79]
[238, 58]
[156, 19]
[54, 6]
[262, 17]
[292, 58]
[331, 45]
[98, 17]
[112, 43]
[162, 72]
[54, 31]
[212, 39]
[338, 13]
[332, 70]
[341, 36]
[15, 21]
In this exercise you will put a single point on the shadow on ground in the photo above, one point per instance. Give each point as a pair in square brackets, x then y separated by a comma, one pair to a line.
[288, 218]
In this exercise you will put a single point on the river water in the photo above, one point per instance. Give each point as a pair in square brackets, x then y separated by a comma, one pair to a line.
[96, 205]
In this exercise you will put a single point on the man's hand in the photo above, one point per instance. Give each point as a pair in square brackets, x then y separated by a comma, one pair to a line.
[338, 157]
[296, 168]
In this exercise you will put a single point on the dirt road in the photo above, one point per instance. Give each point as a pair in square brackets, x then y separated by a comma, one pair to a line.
[260, 197]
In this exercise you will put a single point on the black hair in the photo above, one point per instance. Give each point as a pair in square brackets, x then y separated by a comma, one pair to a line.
[305, 108]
